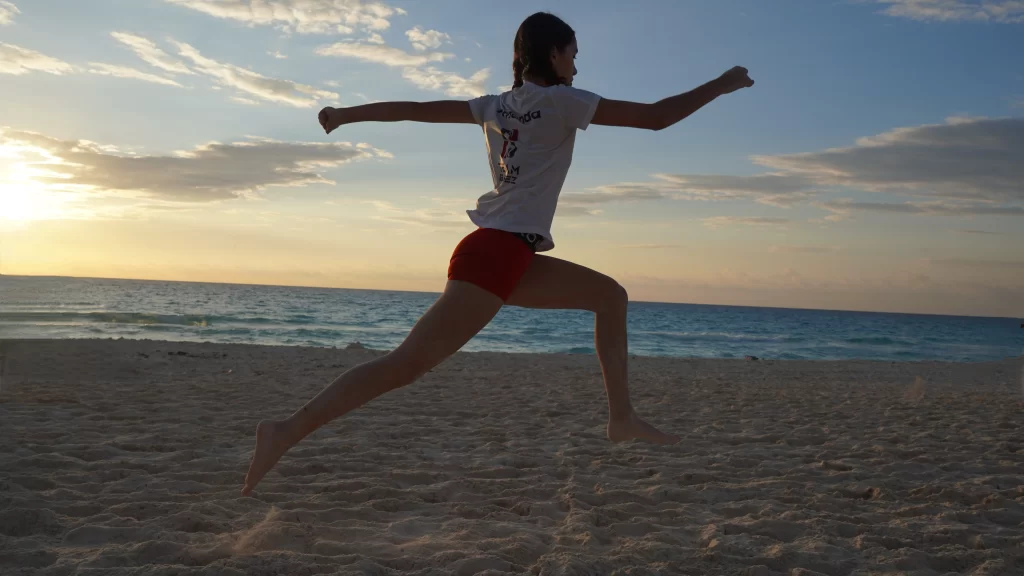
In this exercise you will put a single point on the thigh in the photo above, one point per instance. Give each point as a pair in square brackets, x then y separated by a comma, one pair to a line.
[554, 283]
[459, 314]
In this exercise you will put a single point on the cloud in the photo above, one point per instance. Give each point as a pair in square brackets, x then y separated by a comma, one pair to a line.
[301, 16]
[979, 232]
[845, 206]
[720, 221]
[979, 263]
[430, 218]
[262, 87]
[781, 190]
[1002, 11]
[426, 40]
[151, 54]
[792, 249]
[964, 159]
[452, 84]
[17, 61]
[7, 12]
[277, 54]
[209, 172]
[582, 203]
[964, 167]
[381, 54]
[125, 72]
[416, 67]
[649, 246]
[567, 209]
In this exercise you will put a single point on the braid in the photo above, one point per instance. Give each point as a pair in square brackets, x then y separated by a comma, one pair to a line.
[536, 37]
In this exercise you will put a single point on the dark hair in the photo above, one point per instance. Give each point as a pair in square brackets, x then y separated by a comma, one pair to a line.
[537, 35]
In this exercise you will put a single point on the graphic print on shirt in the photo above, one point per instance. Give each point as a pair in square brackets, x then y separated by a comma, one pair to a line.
[509, 173]
[510, 137]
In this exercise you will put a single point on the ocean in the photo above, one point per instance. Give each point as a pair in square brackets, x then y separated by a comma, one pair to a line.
[53, 307]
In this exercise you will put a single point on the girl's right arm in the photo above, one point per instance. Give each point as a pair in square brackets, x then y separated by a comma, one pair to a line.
[439, 111]
[669, 111]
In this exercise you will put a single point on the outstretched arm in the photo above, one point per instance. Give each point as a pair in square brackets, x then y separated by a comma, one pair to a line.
[668, 111]
[440, 111]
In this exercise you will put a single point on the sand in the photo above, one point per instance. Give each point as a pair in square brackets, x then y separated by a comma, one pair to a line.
[126, 457]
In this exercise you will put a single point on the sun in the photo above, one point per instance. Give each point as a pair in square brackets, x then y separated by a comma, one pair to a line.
[16, 204]
[22, 198]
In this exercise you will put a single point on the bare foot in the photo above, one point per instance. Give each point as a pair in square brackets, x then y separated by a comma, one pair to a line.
[271, 444]
[634, 428]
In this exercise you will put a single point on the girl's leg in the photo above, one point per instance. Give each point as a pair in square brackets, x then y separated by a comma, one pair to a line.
[553, 283]
[461, 311]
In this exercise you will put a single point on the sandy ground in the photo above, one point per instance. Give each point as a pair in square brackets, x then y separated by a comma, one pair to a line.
[122, 457]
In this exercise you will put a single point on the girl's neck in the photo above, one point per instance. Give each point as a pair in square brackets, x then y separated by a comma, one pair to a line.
[536, 81]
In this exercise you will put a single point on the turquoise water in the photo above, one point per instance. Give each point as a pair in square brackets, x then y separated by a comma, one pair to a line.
[35, 307]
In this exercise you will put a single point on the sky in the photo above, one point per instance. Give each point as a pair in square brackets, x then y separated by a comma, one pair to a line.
[877, 164]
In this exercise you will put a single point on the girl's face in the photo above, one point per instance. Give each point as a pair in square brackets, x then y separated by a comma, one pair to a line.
[564, 62]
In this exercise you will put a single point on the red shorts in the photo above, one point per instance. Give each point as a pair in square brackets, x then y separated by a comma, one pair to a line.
[494, 260]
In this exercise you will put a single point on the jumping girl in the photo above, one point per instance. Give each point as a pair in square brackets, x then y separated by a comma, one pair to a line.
[530, 131]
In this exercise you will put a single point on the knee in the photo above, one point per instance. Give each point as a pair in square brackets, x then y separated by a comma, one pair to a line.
[614, 298]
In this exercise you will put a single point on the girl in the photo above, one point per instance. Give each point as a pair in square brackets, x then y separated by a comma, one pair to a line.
[529, 133]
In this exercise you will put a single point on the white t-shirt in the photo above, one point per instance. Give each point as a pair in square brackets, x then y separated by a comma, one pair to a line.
[530, 133]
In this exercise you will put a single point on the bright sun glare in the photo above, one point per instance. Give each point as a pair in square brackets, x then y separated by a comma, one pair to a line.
[23, 199]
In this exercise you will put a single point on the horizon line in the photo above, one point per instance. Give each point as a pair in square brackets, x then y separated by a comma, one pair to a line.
[841, 310]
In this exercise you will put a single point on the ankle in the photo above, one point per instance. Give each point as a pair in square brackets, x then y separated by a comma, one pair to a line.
[621, 415]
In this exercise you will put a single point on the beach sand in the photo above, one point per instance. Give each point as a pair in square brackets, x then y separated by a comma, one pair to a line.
[127, 457]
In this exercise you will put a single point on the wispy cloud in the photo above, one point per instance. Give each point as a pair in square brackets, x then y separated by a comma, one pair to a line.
[430, 78]
[979, 263]
[277, 54]
[214, 171]
[721, 221]
[780, 190]
[17, 61]
[148, 51]
[382, 54]
[440, 219]
[649, 246]
[1003, 11]
[416, 67]
[301, 16]
[797, 249]
[7, 12]
[427, 39]
[125, 72]
[254, 84]
[845, 207]
[979, 232]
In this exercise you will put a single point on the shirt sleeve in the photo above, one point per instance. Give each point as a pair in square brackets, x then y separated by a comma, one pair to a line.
[576, 106]
[479, 105]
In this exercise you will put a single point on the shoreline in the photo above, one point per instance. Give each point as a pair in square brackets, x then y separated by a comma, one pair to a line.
[127, 456]
[359, 346]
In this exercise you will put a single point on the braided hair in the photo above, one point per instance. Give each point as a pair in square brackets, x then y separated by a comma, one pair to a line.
[537, 35]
